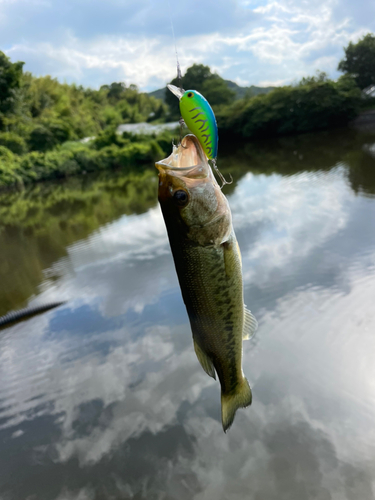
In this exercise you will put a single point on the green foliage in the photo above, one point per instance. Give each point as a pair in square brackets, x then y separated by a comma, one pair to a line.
[199, 77]
[77, 158]
[6, 154]
[320, 77]
[38, 223]
[42, 120]
[46, 113]
[195, 76]
[114, 91]
[10, 82]
[14, 142]
[312, 105]
[359, 61]
[8, 168]
[108, 137]
[217, 92]
[67, 111]
[48, 135]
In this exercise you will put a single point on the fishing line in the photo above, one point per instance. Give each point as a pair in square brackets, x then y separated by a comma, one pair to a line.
[179, 75]
[179, 78]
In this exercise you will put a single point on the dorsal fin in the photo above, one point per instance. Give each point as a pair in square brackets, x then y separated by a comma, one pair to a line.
[250, 324]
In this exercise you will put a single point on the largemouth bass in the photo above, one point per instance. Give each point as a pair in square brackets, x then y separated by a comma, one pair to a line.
[208, 265]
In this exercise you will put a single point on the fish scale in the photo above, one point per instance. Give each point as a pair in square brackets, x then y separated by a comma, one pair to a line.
[212, 324]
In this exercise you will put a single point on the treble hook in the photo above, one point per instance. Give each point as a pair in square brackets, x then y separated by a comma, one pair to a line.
[220, 175]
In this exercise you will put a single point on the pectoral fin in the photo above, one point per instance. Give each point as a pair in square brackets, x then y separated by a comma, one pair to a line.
[232, 257]
[250, 324]
[205, 361]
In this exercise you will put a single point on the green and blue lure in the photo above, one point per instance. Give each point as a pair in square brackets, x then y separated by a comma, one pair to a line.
[199, 117]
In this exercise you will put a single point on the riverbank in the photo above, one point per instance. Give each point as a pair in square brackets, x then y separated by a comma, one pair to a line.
[364, 122]
[130, 146]
[72, 208]
[314, 104]
[108, 151]
[65, 131]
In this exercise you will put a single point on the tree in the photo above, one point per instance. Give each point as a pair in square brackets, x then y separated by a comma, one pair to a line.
[195, 77]
[217, 92]
[10, 79]
[321, 76]
[116, 90]
[199, 77]
[359, 61]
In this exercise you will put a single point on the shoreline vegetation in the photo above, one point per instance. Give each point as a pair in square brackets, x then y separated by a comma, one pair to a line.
[43, 123]
[49, 217]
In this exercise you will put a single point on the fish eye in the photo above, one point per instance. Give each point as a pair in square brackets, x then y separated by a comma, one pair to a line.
[180, 197]
[190, 94]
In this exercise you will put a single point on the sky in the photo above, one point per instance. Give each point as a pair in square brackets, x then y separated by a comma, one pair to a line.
[251, 42]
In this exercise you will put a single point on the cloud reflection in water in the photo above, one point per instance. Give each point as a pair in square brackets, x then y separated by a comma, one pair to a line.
[106, 397]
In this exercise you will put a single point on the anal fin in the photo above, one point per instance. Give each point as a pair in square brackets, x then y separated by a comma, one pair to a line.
[250, 324]
[204, 360]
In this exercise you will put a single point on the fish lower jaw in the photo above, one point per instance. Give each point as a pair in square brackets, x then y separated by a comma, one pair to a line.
[189, 154]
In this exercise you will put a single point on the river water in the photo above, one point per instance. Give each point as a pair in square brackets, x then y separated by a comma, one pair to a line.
[103, 397]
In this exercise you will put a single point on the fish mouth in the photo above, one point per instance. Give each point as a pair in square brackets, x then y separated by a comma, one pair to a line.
[186, 156]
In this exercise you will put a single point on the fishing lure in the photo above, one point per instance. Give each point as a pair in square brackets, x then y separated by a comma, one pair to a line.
[199, 117]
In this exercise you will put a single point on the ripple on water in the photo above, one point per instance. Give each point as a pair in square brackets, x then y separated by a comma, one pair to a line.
[105, 397]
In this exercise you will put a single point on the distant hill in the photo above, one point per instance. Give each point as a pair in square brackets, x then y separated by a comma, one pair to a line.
[240, 91]
[252, 90]
[159, 94]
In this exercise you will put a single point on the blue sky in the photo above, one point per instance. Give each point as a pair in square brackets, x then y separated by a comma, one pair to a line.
[252, 42]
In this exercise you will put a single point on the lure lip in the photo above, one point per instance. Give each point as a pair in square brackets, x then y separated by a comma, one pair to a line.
[188, 142]
[177, 91]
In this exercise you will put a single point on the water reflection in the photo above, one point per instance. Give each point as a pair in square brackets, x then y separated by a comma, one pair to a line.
[104, 397]
[37, 225]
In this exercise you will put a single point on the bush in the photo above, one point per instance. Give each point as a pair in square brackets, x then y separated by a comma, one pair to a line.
[6, 154]
[315, 104]
[78, 158]
[46, 136]
[8, 168]
[109, 136]
[14, 142]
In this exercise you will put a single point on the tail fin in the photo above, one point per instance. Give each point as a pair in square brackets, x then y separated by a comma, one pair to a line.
[231, 402]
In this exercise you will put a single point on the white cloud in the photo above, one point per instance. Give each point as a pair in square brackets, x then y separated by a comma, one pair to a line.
[289, 209]
[310, 365]
[249, 42]
[133, 61]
